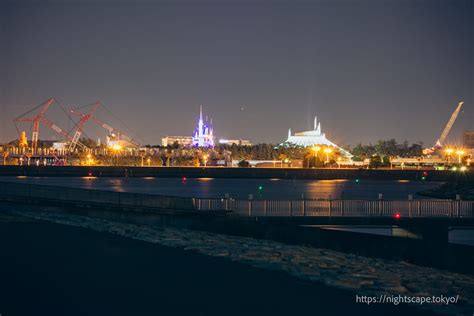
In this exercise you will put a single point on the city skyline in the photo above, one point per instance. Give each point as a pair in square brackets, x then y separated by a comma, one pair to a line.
[368, 70]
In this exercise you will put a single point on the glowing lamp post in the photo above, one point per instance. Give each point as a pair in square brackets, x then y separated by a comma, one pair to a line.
[148, 161]
[327, 151]
[468, 161]
[316, 150]
[339, 162]
[205, 160]
[449, 152]
[116, 148]
[460, 154]
[89, 159]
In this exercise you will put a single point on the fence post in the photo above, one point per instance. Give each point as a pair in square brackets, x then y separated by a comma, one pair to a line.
[342, 207]
[410, 204]
[380, 204]
[250, 204]
[458, 204]
[330, 207]
[226, 201]
[291, 208]
[265, 207]
[199, 204]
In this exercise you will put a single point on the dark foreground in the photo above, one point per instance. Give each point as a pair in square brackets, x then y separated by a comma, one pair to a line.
[49, 269]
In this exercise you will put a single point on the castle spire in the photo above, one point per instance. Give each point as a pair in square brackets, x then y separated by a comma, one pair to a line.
[200, 113]
[315, 123]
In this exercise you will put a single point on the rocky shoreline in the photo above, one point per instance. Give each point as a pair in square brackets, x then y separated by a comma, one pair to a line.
[364, 276]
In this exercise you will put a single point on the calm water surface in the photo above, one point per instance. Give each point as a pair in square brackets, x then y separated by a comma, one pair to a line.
[241, 188]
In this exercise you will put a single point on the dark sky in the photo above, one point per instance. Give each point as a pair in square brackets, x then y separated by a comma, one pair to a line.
[369, 69]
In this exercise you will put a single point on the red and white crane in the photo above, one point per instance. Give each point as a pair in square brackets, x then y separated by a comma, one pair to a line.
[112, 130]
[40, 118]
[35, 120]
[80, 125]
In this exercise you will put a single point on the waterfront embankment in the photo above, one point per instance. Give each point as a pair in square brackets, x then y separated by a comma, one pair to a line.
[244, 173]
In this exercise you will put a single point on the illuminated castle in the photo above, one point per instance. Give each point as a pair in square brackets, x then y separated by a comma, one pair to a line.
[203, 134]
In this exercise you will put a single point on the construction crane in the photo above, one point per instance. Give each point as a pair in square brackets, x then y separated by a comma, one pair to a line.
[61, 131]
[40, 118]
[114, 132]
[80, 125]
[447, 128]
[35, 120]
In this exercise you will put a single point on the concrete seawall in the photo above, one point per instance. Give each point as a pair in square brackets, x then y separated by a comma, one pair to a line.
[248, 173]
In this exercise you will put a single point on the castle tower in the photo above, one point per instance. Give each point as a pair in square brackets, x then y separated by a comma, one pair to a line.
[203, 135]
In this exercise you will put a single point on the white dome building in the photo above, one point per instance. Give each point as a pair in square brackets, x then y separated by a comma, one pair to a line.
[313, 138]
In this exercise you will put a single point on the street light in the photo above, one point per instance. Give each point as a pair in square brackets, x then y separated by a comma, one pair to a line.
[89, 159]
[205, 160]
[468, 161]
[116, 148]
[448, 152]
[148, 161]
[327, 151]
[339, 162]
[460, 153]
[316, 149]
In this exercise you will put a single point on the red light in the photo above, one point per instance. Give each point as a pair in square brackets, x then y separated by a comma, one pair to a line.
[90, 174]
[183, 180]
[397, 216]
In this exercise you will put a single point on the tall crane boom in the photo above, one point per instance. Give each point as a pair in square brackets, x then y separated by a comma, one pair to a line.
[112, 130]
[40, 118]
[80, 126]
[448, 126]
[36, 121]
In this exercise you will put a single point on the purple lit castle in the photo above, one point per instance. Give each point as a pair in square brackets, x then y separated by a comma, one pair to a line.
[203, 135]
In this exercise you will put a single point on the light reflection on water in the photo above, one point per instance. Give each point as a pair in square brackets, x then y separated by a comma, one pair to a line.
[241, 188]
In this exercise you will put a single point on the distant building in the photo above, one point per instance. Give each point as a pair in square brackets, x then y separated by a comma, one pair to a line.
[181, 140]
[203, 134]
[313, 138]
[240, 142]
[468, 139]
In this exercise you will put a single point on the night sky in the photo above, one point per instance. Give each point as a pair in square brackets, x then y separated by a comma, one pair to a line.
[369, 69]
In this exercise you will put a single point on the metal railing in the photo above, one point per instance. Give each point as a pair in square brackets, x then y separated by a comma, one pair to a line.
[240, 207]
[349, 208]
